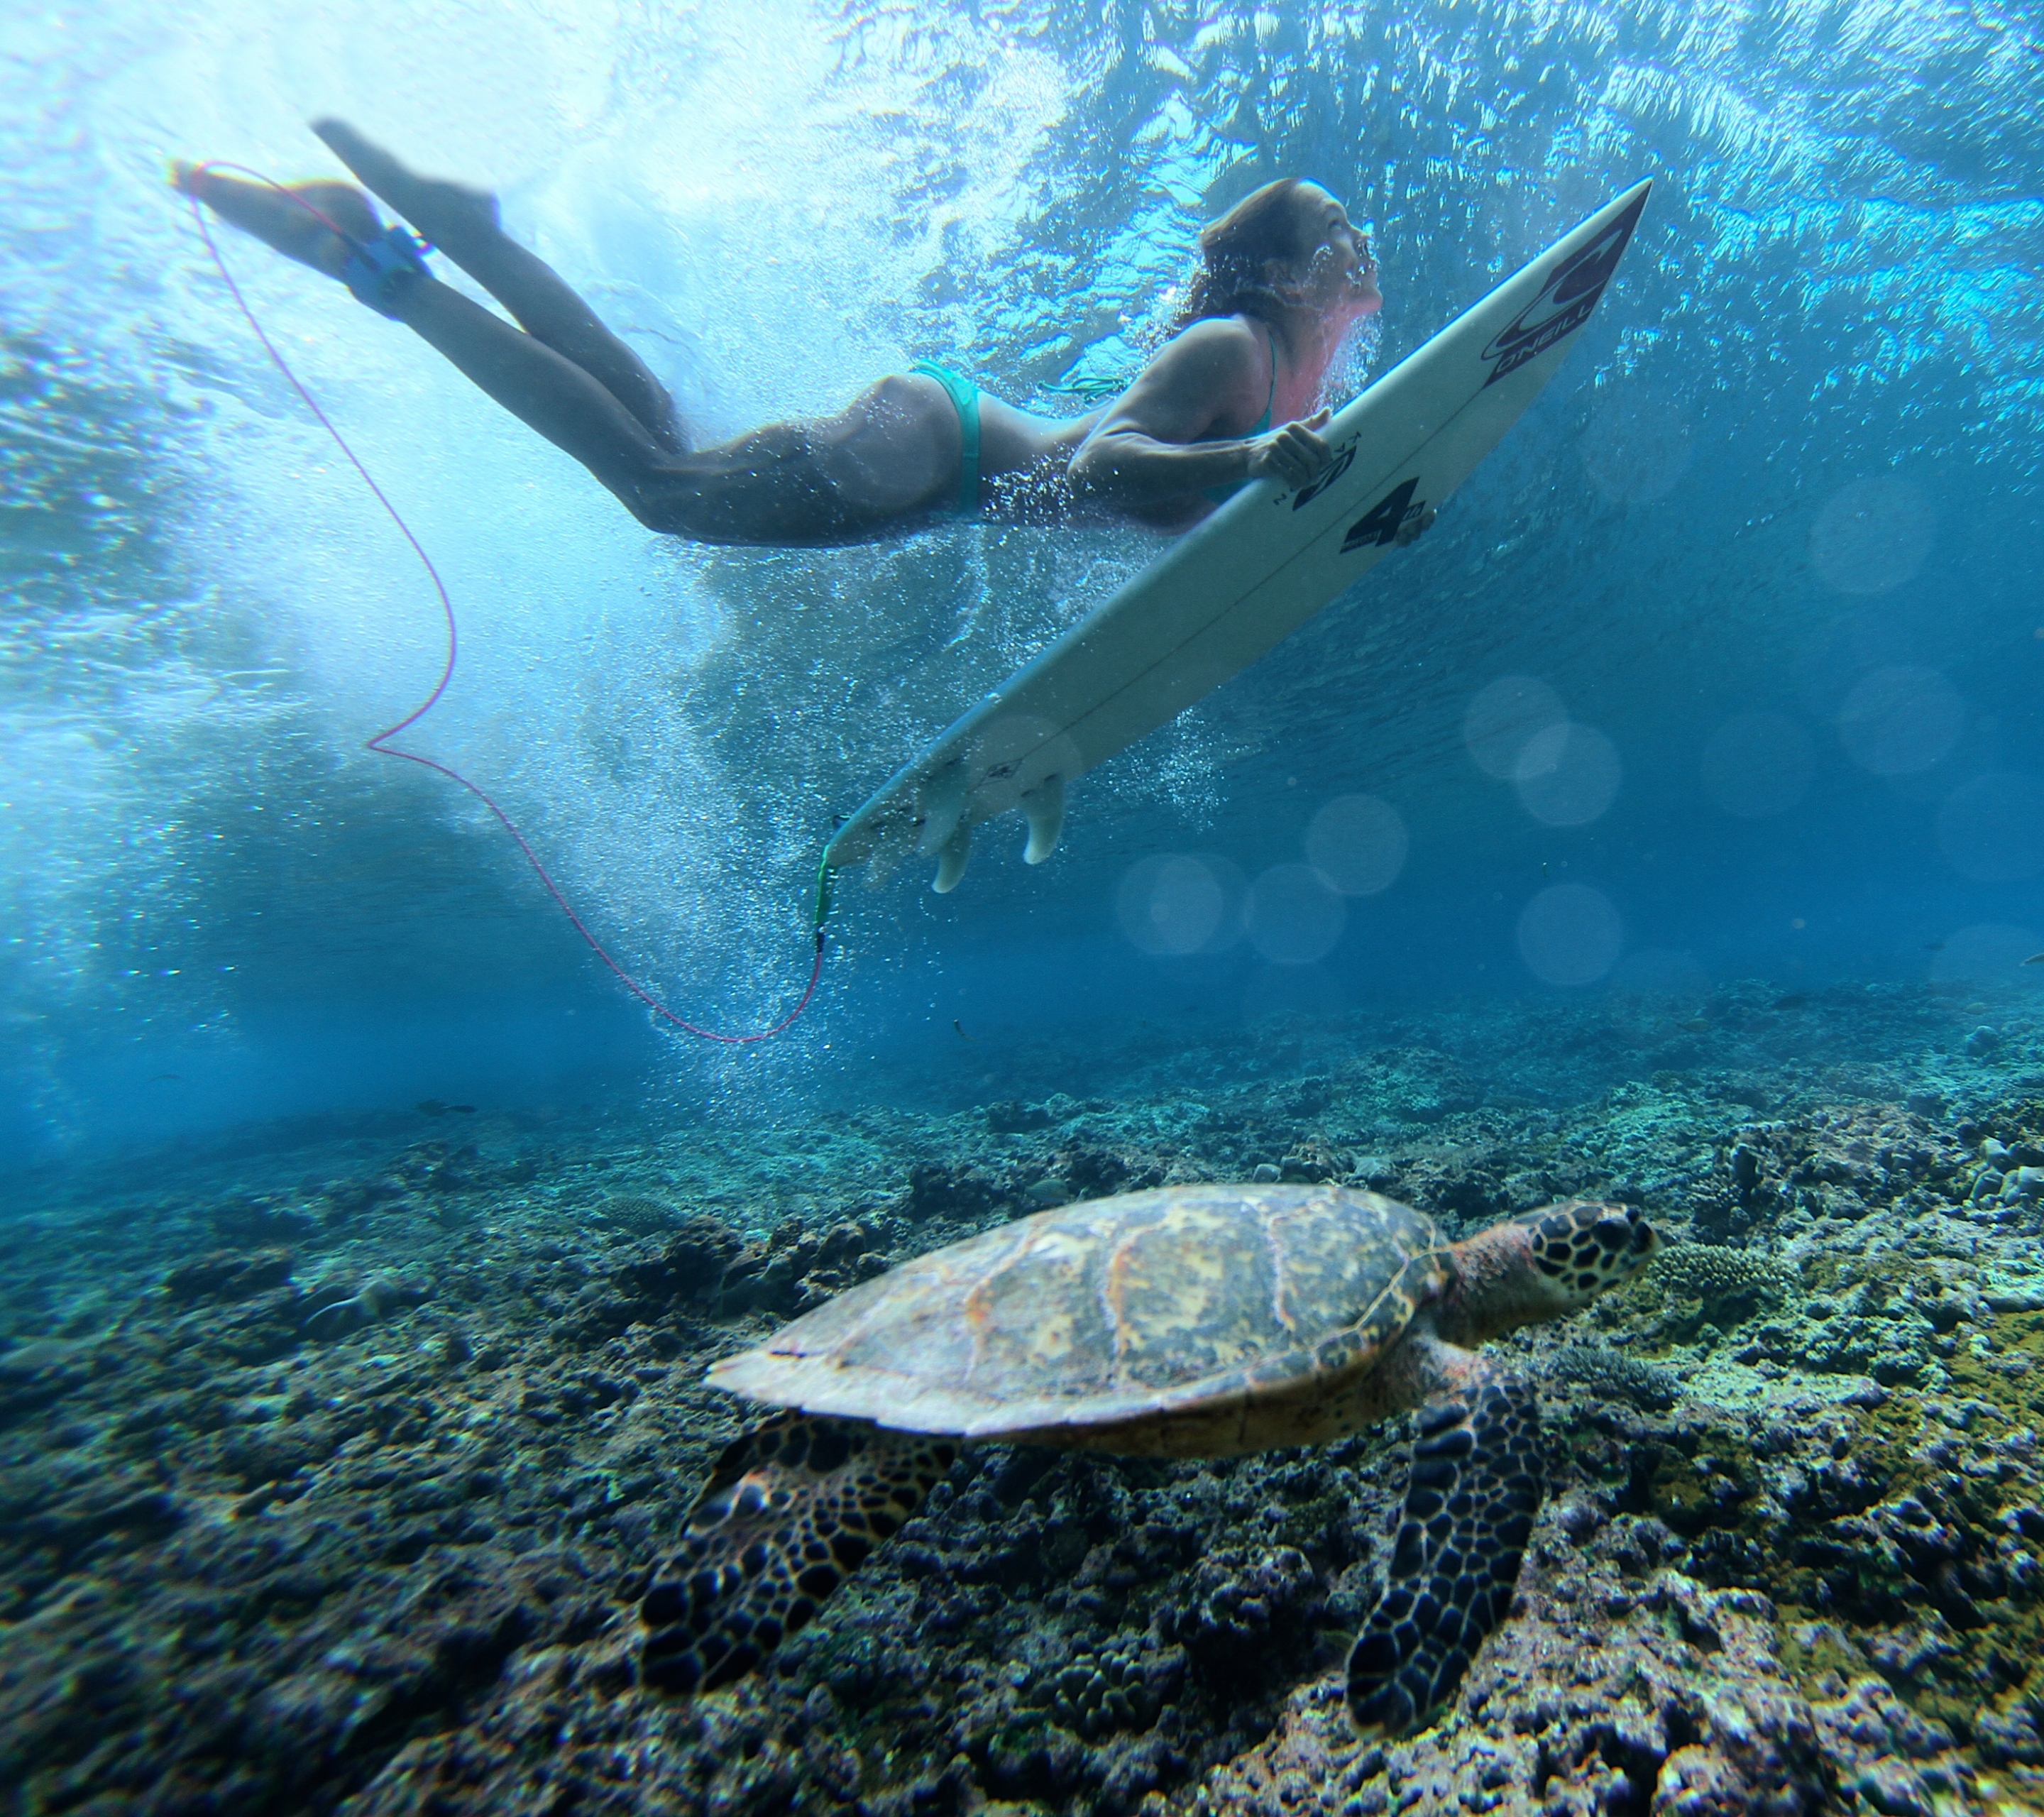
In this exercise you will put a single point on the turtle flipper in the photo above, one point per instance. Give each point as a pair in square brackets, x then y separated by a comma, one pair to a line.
[1476, 1487]
[791, 1510]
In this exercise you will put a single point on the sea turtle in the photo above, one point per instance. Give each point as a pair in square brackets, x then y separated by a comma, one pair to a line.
[1194, 1321]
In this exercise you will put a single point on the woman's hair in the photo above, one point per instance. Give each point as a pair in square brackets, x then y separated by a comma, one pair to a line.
[1234, 250]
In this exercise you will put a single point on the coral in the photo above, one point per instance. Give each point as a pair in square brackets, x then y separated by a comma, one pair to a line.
[1602, 1695]
[243, 1568]
[1100, 1692]
[641, 1216]
[1604, 1370]
[1716, 1276]
[1239, 1602]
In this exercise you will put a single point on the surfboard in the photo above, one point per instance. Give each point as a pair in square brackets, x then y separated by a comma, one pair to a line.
[1247, 577]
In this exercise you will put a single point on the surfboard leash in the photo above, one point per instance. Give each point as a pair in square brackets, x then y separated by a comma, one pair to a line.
[380, 742]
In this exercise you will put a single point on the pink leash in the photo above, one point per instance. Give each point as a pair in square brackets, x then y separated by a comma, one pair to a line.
[380, 742]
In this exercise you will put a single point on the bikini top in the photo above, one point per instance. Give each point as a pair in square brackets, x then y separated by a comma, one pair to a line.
[1220, 494]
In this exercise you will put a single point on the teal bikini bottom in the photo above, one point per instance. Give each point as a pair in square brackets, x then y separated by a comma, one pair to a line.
[964, 398]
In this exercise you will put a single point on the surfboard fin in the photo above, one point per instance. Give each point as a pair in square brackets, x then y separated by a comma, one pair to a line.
[943, 802]
[951, 861]
[1044, 807]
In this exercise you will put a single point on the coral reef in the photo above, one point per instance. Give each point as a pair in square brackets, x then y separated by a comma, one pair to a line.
[330, 1468]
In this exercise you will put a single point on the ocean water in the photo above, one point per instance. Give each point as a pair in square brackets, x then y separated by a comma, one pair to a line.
[1667, 826]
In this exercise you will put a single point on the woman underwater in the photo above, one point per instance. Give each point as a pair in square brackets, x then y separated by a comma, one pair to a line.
[1283, 277]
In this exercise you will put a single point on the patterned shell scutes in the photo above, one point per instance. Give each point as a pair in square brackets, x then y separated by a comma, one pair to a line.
[1104, 1310]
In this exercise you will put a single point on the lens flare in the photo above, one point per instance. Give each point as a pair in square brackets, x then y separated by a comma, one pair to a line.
[1568, 774]
[1293, 917]
[1901, 719]
[1570, 933]
[1503, 717]
[1873, 534]
[1357, 844]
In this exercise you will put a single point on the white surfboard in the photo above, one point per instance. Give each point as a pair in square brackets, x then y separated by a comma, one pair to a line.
[1249, 576]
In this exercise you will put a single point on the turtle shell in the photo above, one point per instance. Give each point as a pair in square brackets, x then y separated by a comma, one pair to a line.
[1113, 1312]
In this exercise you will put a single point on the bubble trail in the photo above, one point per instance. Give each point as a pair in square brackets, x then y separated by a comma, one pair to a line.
[379, 743]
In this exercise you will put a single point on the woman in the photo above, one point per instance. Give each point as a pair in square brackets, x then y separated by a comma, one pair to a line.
[1284, 276]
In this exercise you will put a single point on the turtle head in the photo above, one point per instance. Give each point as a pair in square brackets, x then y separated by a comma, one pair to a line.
[1549, 1263]
[1584, 1246]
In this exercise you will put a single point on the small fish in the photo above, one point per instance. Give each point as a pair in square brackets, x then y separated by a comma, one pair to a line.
[1933, 946]
[2035, 960]
[463, 1109]
[430, 1106]
[960, 1027]
[1698, 1025]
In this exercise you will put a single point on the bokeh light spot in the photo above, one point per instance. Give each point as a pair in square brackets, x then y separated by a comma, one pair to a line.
[1873, 534]
[1293, 915]
[1638, 445]
[1503, 717]
[1173, 904]
[1570, 933]
[1357, 844]
[1568, 774]
[1898, 720]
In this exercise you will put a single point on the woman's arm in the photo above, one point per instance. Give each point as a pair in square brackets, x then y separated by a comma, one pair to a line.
[1146, 448]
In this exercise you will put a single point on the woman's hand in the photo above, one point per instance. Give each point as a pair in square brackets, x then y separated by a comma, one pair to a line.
[1293, 455]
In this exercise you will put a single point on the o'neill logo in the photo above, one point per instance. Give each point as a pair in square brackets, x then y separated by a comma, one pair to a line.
[1565, 299]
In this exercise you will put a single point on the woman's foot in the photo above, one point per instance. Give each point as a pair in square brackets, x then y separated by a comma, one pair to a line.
[311, 222]
[461, 222]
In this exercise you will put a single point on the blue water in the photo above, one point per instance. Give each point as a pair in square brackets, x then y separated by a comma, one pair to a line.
[1767, 542]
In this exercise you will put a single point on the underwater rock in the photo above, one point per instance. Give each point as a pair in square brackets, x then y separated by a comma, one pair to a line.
[1599, 1696]
[227, 1274]
[29, 1357]
[937, 1190]
[436, 1167]
[688, 1264]
[374, 1300]
[1983, 1041]
[1094, 1172]
[2021, 1185]
[1840, 1161]
[799, 1268]
[1011, 1117]
[271, 1218]
[666, 1280]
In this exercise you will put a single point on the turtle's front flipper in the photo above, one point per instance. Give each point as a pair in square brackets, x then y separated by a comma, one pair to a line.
[1476, 1487]
[792, 1509]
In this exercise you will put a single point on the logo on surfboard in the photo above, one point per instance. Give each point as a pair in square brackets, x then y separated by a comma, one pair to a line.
[1396, 517]
[1565, 299]
[1341, 462]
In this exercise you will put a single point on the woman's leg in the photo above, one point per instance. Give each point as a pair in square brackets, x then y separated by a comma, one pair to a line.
[895, 451]
[463, 223]
[553, 394]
